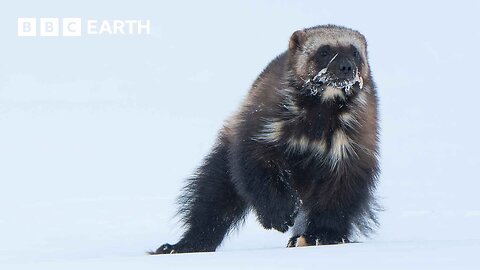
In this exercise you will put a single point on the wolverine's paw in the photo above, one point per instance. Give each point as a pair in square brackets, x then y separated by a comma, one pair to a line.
[281, 226]
[328, 238]
[280, 216]
[315, 240]
[297, 241]
[342, 240]
[164, 249]
[280, 221]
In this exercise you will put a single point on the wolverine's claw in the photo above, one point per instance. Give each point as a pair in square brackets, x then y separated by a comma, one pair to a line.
[164, 249]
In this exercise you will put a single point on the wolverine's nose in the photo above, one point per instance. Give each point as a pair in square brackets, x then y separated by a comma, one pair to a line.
[345, 67]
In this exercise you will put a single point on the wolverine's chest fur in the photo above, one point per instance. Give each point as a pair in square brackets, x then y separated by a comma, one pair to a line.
[325, 144]
[327, 134]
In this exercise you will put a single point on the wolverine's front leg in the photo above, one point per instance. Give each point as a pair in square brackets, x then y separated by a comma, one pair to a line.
[327, 228]
[321, 228]
[265, 181]
[273, 199]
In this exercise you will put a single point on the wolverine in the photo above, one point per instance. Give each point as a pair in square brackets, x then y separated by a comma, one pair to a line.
[302, 150]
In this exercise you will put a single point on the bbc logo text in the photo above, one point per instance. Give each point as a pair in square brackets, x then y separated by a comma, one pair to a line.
[76, 27]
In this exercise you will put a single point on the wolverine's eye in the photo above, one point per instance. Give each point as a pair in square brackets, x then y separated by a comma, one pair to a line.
[356, 54]
[324, 51]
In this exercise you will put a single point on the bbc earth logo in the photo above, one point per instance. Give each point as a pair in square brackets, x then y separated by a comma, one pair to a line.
[77, 27]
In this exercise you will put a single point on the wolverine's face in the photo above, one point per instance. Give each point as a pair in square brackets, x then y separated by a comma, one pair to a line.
[338, 67]
[328, 60]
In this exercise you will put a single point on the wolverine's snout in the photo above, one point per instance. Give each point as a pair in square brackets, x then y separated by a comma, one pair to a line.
[343, 67]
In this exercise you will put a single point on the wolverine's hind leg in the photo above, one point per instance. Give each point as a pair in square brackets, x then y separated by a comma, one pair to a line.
[210, 206]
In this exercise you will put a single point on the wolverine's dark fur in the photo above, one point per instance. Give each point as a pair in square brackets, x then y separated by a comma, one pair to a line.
[305, 141]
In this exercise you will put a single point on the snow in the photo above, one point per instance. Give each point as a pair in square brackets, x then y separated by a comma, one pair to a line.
[379, 255]
[97, 133]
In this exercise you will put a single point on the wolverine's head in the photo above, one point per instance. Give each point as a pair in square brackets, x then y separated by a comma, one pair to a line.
[328, 61]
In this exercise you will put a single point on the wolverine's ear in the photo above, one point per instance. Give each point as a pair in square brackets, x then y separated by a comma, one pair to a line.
[297, 40]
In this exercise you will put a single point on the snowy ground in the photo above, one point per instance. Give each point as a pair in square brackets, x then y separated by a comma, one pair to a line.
[378, 255]
[97, 133]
